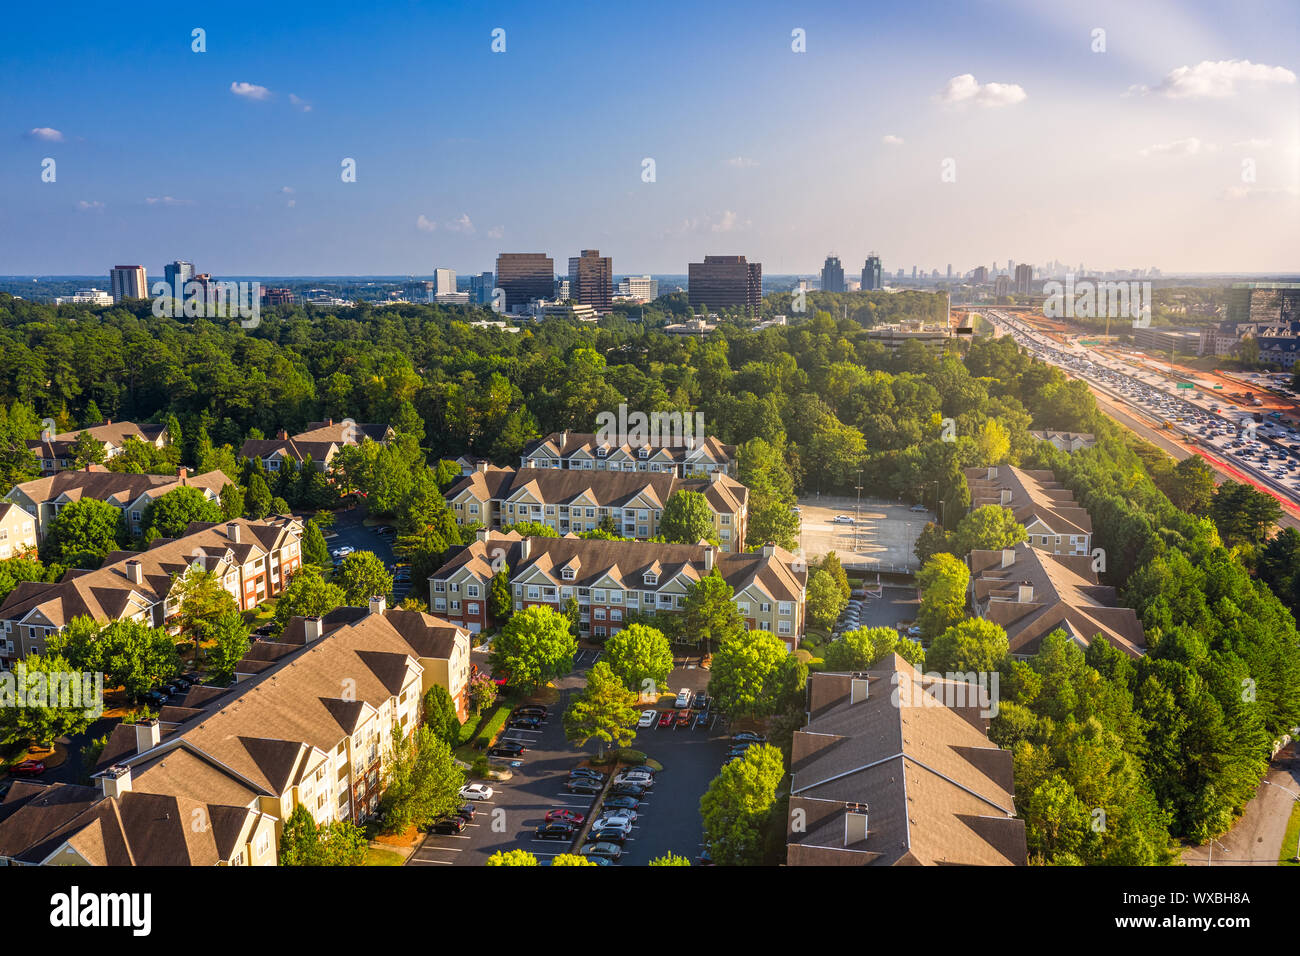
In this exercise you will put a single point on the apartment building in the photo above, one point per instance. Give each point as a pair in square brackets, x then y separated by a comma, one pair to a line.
[1029, 593]
[252, 559]
[1042, 504]
[896, 770]
[320, 442]
[1068, 442]
[583, 451]
[55, 450]
[43, 498]
[17, 531]
[574, 501]
[612, 579]
[309, 722]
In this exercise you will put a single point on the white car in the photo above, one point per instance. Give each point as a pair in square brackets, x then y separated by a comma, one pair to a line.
[842, 519]
[622, 819]
[683, 698]
[648, 718]
[639, 777]
[476, 791]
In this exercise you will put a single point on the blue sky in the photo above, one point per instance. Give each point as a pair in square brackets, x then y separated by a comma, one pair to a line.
[1131, 157]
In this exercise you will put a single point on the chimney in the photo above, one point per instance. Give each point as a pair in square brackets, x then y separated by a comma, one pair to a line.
[282, 435]
[312, 628]
[708, 558]
[769, 549]
[108, 421]
[232, 531]
[524, 547]
[481, 466]
[328, 422]
[993, 472]
[1005, 497]
[855, 823]
[715, 477]
[1025, 593]
[183, 474]
[482, 534]
[147, 735]
[1008, 557]
[564, 439]
[116, 780]
[378, 604]
[859, 687]
[135, 571]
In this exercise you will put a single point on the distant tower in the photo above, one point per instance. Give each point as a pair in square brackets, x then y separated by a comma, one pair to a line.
[832, 275]
[871, 273]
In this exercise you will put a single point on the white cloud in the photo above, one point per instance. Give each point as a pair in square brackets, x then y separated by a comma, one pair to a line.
[496, 232]
[286, 189]
[1217, 79]
[168, 201]
[299, 103]
[46, 133]
[728, 222]
[1179, 147]
[742, 162]
[461, 224]
[250, 91]
[92, 204]
[425, 224]
[889, 139]
[291, 203]
[1253, 144]
[965, 89]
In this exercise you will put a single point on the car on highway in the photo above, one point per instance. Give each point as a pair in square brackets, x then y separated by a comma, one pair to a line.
[476, 791]
[648, 718]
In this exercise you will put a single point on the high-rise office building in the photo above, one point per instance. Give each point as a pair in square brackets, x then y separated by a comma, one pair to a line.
[128, 282]
[591, 280]
[725, 282]
[950, 270]
[480, 288]
[1002, 285]
[871, 274]
[981, 275]
[444, 282]
[1024, 277]
[638, 288]
[525, 276]
[178, 273]
[832, 275]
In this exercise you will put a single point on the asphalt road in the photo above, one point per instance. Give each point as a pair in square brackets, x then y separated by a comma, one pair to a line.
[1256, 839]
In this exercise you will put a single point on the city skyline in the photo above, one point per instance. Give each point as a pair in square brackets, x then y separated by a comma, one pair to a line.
[1051, 150]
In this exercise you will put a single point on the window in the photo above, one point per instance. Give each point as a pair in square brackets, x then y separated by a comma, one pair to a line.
[765, 607]
[439, 586]
[471, 590]
[471, 608]
[568, 574]
[786, 608]
[783, 627]
[743, 608]
[651, 579]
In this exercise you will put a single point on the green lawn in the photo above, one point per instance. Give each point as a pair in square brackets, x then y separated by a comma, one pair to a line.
[376, 857]
[1288, 852]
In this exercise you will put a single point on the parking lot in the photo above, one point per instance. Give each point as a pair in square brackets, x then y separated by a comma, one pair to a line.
[349, 532]
[668, 817]
[881, 538]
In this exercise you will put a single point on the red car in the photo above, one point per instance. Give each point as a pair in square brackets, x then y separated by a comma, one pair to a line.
[666, 719]
[28, 768]
[501, 679]
[684, 718]
[564, 816]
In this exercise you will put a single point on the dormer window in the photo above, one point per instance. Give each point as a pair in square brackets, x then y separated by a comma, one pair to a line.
[644, 453]
[602, 452]
[651, 578]
[568, 574]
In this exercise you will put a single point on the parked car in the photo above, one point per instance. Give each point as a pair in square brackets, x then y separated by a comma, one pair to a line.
[28, 768]
[607, 835]
[623, 819]
[627, 789]
[587, 772]
[648, 718]
[665, 719]
[842, 519]
[604, 849]
[565, 815]
[507, 749]
[702, 720]
[530, 710]
[448, 825]
[555, 831]
[620, 803]
[584, 785]
[918, 508]
[476, 791]
[528, 723]
[751, 737]
[700, 701]
[640, 779]
[466, 812]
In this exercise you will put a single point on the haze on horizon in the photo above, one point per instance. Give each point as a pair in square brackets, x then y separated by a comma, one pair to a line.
[1132, 157]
